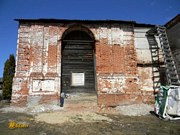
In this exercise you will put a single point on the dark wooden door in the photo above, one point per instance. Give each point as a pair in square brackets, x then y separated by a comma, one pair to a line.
[77, 66]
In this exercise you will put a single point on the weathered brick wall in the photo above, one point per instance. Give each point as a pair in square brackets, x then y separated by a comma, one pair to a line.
[38, 71]
[148, 73]
[20, 88]
[116, 65]
[38, 63]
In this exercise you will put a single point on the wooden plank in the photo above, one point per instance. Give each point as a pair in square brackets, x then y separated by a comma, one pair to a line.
[78, 58]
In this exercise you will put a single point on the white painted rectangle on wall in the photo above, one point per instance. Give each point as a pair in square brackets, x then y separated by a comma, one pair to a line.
[43, 85]
[36, 85]
[48, 85]
[78, 79]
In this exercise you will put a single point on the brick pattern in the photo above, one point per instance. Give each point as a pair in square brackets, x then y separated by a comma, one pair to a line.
[52, 56]
[117, 69]
[106, 59]
[36, 59]
[20, 88]
[148, 97]
[39, 58]
[46, 99]
[130, 60]
[118, 99]
[116, 59]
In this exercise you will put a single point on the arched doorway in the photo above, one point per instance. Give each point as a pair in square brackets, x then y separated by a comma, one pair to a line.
[77, 69]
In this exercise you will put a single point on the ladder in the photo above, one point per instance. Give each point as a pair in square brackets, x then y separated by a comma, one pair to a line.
[171, 71]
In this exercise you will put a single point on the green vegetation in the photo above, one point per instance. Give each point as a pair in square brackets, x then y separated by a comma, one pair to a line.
[8, 74]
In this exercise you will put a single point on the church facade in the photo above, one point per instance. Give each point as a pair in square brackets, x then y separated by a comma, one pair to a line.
[110, 58]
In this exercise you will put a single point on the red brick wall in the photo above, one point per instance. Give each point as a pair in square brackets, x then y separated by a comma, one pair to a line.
[52, 55]
[116, 67]
[36, 60]
[39, 58]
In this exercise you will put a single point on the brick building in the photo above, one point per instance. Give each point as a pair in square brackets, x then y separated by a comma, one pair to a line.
[173, 31]
[110, 58]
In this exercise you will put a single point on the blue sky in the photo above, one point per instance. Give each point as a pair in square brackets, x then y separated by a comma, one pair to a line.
[142, 11]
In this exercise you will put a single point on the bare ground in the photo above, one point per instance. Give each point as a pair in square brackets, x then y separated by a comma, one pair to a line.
[84, 117]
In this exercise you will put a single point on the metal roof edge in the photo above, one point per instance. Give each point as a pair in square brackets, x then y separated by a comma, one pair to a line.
[144, 25]
[52, 20]
[173, 21]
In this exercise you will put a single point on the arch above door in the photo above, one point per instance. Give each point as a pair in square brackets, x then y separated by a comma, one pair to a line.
[78, 68]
